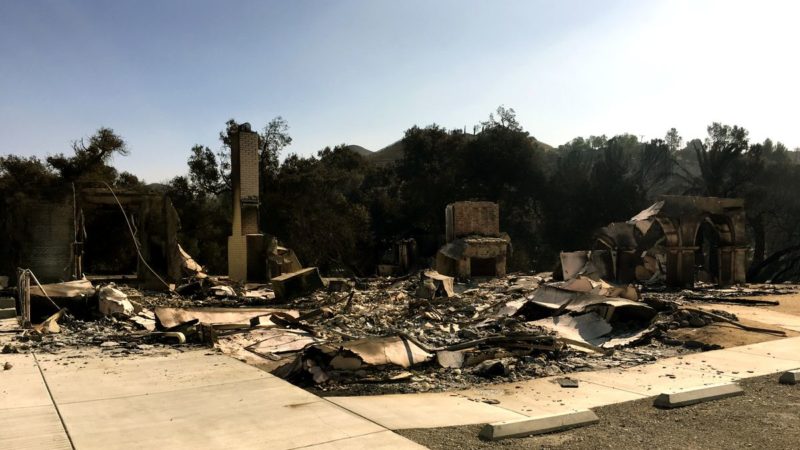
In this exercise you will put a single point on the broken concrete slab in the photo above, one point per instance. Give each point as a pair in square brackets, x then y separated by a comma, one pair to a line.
[171, 317]
[694, 396]
[790, 377]
[538, 425]
[294, 284]
[568, 382]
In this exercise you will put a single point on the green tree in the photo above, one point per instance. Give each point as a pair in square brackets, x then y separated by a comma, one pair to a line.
[673, 140]
[209, 172]
[724, 161]
[319, 210]
[90, 159]
[274, 139]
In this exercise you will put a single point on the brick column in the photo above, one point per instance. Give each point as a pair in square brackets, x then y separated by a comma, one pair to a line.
[246, 258]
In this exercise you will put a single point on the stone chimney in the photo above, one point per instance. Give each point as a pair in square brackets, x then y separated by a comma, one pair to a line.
[246, 252]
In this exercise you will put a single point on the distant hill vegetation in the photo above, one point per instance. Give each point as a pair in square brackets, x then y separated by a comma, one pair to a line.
[394, 151]
[359, 150]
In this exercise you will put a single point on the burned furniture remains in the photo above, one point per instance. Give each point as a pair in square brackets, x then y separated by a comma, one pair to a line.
[474, 244]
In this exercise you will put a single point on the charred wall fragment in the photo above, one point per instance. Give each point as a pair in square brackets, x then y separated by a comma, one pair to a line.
[87, 233]
[679, 240]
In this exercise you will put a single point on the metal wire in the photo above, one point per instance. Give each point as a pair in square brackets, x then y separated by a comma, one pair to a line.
[136, 241]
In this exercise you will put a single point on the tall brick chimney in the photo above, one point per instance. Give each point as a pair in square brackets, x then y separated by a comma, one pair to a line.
[246, 252]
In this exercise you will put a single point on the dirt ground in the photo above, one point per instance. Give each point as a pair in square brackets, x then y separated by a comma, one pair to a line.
[789, 304]
[726, 335]
[767, 416]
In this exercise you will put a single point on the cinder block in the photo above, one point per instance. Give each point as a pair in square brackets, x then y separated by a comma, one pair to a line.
[8, 302]
[8, 313]
[790, 377]
[538, 425]
[698, 395]
[295, 284]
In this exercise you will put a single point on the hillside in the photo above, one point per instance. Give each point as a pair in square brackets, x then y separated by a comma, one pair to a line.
[388, 154]
[393, 152]
[357, 149]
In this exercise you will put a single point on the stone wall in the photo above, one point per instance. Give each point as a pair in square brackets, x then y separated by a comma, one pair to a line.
[472, 218]
[45, 243]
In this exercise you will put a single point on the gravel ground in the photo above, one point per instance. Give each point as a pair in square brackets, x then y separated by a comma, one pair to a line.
[766, 417]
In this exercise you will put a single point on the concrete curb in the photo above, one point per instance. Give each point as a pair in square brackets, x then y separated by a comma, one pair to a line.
[697, 395]
[790, 377]
[538, 425]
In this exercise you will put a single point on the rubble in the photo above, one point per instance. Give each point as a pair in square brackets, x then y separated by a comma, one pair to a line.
[294, 284]
[169, 317]
[421, 332]
[113, 302]
[67, 289]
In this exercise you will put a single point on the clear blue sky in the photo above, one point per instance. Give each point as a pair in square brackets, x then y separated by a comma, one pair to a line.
[168, 74]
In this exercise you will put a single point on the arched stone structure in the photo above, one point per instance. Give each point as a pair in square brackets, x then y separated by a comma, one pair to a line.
[680, 219]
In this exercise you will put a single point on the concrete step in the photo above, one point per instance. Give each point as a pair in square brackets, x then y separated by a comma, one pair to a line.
[7, 302]
[8, 313]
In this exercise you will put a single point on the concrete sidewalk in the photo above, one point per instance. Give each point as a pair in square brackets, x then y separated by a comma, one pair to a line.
[182, 400]
[201, 399]
[543, 396]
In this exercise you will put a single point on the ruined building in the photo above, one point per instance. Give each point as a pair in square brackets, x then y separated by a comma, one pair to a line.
[474, 244]
[682, 239]
[86, 232]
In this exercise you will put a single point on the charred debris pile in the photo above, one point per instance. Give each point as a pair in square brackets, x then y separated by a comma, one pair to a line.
[465, 322]
[420, 332]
